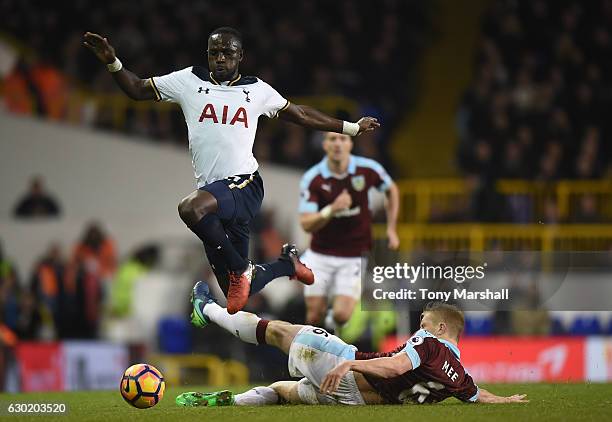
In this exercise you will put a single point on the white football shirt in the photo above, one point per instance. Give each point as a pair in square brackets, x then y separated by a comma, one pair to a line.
[221, 118]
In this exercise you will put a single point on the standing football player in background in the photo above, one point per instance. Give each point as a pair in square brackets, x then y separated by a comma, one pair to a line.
[221, 109]
[335, 208]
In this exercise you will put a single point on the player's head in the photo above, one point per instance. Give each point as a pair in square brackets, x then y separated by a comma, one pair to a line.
[337, 146]
[224, 53]
[443, 320]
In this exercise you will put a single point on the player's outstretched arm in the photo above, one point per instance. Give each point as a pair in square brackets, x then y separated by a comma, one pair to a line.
[314, 119]
[385, 367]
[485, 396]
[133, 86]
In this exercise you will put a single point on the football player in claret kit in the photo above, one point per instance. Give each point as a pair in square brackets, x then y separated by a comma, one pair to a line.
[334, 207]
[425, 369]
[221, 109]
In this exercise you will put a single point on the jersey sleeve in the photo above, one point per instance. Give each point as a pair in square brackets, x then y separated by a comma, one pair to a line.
[468, 392]
[382, 180]
[418, 349]
[309, 200]
[170, 87]
[274, 103]
[373, 355]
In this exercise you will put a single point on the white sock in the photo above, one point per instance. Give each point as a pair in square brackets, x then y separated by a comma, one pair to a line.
[242, 324]
[329, 322]
[258, 396]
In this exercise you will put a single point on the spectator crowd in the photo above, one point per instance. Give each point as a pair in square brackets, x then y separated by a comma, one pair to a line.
[63, 296]
[539, 103]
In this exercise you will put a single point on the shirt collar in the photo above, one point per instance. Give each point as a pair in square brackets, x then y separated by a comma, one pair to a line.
[326, 172]
[224, 83]
[424, 333]
[452, 347]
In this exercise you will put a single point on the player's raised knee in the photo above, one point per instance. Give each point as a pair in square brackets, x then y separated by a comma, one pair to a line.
[280, 334]
[195, 206]
[287, 391]
[315, 317]
[341, 317]
[186, 211]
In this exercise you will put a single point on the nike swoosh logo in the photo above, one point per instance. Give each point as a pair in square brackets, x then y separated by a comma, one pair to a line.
[199, 309]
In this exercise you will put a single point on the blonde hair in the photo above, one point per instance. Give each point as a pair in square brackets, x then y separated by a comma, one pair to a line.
[449, 314]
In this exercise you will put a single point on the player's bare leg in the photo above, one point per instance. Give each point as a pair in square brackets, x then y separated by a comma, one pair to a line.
[342, 309]
[237, 276]
[280, 334]
[246, 326]
[287, 391]
[280, 392]
[316, 308]
[195, 206]
[199, 212]
[251, 329]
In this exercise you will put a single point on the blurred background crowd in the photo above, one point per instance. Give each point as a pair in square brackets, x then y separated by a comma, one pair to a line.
[537, 107]
[541, 94]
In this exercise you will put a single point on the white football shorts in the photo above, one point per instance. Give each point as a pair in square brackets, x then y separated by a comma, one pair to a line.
[313, 353]
[334, 275]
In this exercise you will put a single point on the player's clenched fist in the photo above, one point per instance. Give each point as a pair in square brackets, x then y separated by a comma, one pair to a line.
[342, 201]
[367, 124]
[100, 46]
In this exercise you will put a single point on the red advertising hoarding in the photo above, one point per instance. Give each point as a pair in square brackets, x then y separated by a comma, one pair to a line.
[516, 359]
[70, 365]
[521, 359]
[40, 366]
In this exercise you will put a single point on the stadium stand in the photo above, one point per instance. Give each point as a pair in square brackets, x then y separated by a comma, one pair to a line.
[536, 107]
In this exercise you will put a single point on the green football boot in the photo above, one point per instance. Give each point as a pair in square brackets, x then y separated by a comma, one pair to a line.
[195, 399]
[200, 296]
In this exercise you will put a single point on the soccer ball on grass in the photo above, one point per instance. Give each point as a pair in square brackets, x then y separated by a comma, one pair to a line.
[142, 386]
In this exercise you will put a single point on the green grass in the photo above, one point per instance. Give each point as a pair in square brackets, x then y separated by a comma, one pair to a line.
[548, 402]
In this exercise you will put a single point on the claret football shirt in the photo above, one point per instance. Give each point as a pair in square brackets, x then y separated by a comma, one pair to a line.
[349, 234]
[436, 373]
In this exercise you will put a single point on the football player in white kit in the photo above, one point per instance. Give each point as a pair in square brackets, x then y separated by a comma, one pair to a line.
[221, 109]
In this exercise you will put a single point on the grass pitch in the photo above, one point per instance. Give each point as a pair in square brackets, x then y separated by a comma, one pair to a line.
[548, 402]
